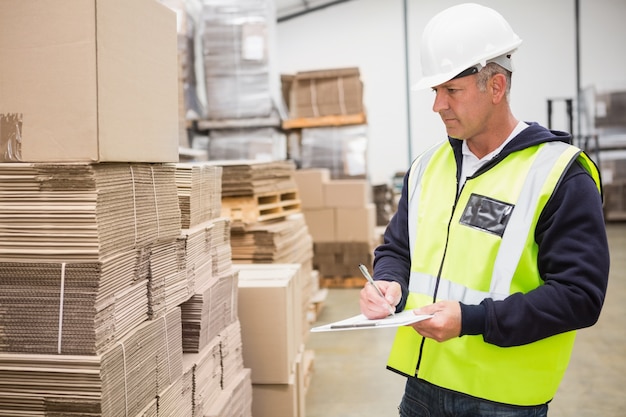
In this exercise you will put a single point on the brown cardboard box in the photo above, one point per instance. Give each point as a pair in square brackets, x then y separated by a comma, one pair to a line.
[321, 224]
[94, 80]
[336, 259]
[326, 92]
[611, 109]
[347, 193]
[266, 313]
[275, 400]
[311, 186]
[281, 271]
[304, 369]
[355, 224]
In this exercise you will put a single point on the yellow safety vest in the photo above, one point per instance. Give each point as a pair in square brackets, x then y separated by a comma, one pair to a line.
[482, 246]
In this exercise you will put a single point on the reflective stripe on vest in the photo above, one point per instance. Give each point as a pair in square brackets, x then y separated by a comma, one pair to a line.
[523, 375]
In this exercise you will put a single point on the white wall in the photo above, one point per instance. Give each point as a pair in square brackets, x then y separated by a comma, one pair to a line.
[370, 34]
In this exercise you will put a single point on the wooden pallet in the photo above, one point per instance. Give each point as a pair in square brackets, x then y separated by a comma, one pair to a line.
[333, 120]
[262, 206]
[273, 120]
[316, 304]
[342, 282]
[308, 364]
[615, 201]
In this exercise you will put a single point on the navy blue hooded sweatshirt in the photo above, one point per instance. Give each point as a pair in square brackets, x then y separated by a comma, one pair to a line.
[573, 258]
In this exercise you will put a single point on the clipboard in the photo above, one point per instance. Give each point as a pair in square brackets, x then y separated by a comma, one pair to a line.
[360, 322]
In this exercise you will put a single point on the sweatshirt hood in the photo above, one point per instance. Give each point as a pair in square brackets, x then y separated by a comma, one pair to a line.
[533, 135]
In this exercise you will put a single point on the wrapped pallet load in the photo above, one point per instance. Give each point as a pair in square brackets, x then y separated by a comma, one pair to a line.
[236, 38]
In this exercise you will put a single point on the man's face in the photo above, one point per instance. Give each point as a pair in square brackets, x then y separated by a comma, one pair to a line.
[463, 108]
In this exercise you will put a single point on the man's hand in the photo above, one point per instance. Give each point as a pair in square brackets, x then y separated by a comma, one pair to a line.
[373, 306]
[445, 323]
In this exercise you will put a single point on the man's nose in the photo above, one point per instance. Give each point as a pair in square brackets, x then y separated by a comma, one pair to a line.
[440, 103]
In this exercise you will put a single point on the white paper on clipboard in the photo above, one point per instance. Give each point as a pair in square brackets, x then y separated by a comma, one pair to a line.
[360, 322]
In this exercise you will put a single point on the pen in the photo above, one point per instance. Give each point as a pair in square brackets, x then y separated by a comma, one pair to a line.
[369, 278]
[353, 325]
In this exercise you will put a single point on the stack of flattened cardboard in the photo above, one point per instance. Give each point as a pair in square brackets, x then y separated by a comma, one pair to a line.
[65, 239]
[199, 192]
[209, 311]
[63, 304]
[198, 261]
[137, 366]
[168, 286]
[209, 314]
[124, 380]
[232, 356]
[188, 388]
[172, 403]
[211, 304]
[245, 178]
[84, 212]
[236, 396]
[220, 247]
[326, 92]
[206, 370]
[283, 241]
[236, 399]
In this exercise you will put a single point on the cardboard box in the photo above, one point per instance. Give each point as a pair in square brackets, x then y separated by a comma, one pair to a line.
[321, 224]
[293, 271]
[268, 327]
[326, 93]
[611, 109]
[274, 400]
[355, 224]
[94, 80]
[304, 365]
[347, 193]
[341, 259]
[311, 186]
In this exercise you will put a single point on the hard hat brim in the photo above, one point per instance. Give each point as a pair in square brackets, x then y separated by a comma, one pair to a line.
[437, 79]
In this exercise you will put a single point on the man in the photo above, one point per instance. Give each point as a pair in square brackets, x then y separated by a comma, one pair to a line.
[499, 234]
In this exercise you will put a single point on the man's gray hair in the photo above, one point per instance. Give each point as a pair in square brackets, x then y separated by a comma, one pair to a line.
[488, 71]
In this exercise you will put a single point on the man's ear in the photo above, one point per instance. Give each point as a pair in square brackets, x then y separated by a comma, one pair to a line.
[498, 88]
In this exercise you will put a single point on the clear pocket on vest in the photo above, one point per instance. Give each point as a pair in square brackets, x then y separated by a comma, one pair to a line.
[487, 214]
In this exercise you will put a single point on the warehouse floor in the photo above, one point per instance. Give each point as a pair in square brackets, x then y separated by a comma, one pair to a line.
[349, 376]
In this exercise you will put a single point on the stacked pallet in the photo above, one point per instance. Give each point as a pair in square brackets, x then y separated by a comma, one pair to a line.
[255, 192]
[235, 38]
[241, 120]
[272, 253]
[327, 122]
[342, 218]
[74, 287]
[115, 322]
[210, 324]
[124, 380]
[72, 235]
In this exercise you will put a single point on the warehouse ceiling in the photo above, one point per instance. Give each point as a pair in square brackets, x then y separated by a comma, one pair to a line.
[291, 9]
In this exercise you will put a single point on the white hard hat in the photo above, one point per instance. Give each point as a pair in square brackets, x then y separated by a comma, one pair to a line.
[464, 38]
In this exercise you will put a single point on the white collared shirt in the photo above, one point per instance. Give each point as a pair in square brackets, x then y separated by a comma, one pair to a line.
[471, 163]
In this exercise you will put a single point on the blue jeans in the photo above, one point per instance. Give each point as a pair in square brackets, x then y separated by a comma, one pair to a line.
[422, 399]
